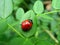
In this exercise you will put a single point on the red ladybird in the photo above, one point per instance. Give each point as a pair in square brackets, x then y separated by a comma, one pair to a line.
[26, 25]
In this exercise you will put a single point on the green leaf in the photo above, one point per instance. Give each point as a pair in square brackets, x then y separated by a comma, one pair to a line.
[54, 26]
[16, 31]
[44, 42]
[45, 17]
[44, 39]
[19, 13]
[0, 18]
[16, 41]
[27, 42]
[17, 2]
[29, 15]
[38, 7]
[9, 34]
[15, 7]
[32, 1]
[33, 40]
[59, 43]
[20, 41]
[58, 36]
[10, 19]
[6, 8]
[3, 38]
[3, 25]
[43, 36]
[30, 6]
[58, 33]
[55, 4]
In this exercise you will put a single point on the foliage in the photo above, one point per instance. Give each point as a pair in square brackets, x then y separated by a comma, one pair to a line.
[46, 24]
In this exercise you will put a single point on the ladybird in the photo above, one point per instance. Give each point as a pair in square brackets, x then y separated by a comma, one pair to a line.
[26, 25]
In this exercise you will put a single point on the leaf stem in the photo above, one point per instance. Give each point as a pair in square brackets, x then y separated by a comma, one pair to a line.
[51, 12]
[50, 34]
[16, 31]
[36, 34]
